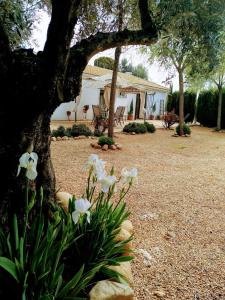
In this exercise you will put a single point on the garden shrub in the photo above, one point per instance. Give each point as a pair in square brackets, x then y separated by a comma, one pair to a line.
[61, 256]
[105, 140]
[59, 132]
[135, 127]
[150, 127]
[186, 129]
[80, 129]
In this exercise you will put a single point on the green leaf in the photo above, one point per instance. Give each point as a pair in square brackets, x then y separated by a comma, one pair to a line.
[9, 266]
[72, 283]
[16, 233]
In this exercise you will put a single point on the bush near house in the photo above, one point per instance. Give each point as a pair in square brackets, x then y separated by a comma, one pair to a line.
[207, 108]
[135, 127]
[59, 132]
[139, 127]
[150, 127]
[76, 130]
[189, 104]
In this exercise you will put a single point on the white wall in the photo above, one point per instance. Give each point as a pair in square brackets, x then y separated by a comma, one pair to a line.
[157, 97]
[89, 96]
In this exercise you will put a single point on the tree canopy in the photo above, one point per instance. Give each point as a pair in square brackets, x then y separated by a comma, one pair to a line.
[104, 62]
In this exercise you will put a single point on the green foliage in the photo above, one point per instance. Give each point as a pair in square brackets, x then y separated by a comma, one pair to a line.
[33, 254]
[104, 62]
[207, 108]
[135, 127]
[76, 130]
[59, 132]
[105, 140]
[186, 129]
[189, 104]
[80, 129]
[48, 255]
[139, 71]
[131, 110]
[150, 127]
[17, 18]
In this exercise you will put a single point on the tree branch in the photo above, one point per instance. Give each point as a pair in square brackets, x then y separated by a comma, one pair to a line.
[59, 36]
[81, 53]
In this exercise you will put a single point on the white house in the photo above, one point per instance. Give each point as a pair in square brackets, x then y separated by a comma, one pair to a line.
[96, 91]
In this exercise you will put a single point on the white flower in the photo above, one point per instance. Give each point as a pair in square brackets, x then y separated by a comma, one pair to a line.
[128, 176]
[81, 208]
[97, 164]
[29, 162]
[106, 182]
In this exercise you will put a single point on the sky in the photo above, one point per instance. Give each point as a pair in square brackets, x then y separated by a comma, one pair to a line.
[156, 73]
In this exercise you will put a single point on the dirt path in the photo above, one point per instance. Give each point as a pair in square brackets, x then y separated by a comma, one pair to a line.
[178, 208]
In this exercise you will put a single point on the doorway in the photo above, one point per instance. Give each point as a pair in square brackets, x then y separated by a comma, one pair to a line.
[137, 107]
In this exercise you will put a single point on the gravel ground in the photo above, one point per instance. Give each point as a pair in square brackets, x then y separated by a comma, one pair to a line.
[178, 208]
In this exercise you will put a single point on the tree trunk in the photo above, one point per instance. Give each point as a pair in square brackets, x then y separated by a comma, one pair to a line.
[196, 107]
[32, 86]
[181, 101]
[113, 92]
[219, 108]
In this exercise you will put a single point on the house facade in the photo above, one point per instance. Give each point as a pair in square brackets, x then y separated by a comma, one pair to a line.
[147, 96]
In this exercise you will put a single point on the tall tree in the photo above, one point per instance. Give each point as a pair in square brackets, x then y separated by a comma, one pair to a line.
[191, 32]
[115, 73]
[32, 86]
[140, 71]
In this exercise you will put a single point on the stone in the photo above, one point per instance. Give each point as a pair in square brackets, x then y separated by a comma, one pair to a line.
[133, 133]
[105, 147]
[159, 293]
[53, 139]
[109, 290]
[65, 138]
[113, 147]
[149, 260]
[58, 138]
[119, 147]
[92, 144]
[170, 235]
[125, 270]
[149, 216]
[76, 138]
[63, 199]
[82, 137]
[128, 226]
[122, 236]
[97, 146]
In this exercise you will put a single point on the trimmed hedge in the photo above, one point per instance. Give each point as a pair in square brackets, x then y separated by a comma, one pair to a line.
[189, 104]
[76, 130]
[139, 127]
[207, 108]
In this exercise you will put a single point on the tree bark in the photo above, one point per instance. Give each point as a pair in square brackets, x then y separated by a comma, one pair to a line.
[219, 112]
[113, 92]
[181, 101]
[32, 86]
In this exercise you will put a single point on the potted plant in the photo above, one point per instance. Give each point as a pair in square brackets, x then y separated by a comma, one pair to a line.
[130, 112]
[68, 114]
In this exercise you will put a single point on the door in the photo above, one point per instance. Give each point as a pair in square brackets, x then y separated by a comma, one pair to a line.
[137, 106]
